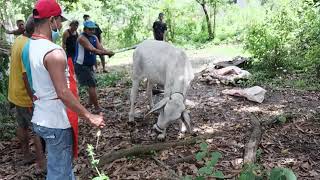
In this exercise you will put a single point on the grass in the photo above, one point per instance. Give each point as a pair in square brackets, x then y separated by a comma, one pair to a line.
[111, 79]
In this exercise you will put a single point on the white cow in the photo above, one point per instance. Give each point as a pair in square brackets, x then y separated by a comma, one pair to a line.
[161, 63]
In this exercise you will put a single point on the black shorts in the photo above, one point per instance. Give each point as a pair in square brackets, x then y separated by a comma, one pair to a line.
[85, 75]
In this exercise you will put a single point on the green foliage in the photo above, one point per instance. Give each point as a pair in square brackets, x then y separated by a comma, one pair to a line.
[94, 164]
[211, 159]
[251, 171]
[282, 174]
[7, 123]
[128, 22]
[287, 39]
[110, 79]
[255, 172]
[4, 79]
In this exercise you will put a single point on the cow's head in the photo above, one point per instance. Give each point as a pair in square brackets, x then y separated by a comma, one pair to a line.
[171, 108]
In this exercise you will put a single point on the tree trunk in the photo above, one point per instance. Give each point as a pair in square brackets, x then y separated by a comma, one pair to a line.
[208, 21]
[214, 19]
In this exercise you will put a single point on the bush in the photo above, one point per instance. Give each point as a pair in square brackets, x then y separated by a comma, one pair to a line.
[4, 79]
[289, 38]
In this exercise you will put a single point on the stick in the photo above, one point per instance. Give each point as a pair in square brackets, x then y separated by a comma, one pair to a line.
[147, 149]
[252, 146]
[125, 49]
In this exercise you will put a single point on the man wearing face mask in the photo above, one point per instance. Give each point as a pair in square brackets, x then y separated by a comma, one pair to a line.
[49, 71]
[88, 46]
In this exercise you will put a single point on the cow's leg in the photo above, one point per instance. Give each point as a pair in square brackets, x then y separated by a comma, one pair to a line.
[149, 93]
[133, 96]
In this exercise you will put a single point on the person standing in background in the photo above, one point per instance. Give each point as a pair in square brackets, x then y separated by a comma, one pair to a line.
[160, 28]
[98, 33]
[69, 39]
[20, 95]
[88, 47]
[53, 98]
[16, 32]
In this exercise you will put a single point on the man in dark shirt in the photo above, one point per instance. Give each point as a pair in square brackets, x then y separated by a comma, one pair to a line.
[17, 32]
[98, 33]
[69, 39]
[159, 28]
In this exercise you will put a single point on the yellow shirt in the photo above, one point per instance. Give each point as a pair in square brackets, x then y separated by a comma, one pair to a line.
[17, 92]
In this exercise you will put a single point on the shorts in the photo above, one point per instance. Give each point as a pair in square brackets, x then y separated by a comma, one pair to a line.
[85, 75]
[24, 116]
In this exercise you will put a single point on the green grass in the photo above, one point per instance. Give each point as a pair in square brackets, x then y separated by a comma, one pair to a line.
[110, 79]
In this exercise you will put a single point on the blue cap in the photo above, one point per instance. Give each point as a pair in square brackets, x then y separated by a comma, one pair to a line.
[89, 24]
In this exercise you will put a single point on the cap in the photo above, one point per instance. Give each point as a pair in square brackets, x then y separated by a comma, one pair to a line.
[89, 24]
[46, 9]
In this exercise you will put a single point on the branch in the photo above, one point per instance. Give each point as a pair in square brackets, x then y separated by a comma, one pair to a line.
[148, 149]
[251, 148]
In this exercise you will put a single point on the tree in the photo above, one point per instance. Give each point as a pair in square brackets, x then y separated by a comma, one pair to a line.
[213, 4]
[204, 4]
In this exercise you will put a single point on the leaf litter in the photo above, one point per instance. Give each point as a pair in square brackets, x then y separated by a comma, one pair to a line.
[292, 142]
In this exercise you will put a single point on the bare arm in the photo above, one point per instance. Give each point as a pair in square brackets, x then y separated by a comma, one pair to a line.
[87, 45]
[55, 63]
[165, 36]
[26, 84]
[64, 39]
[9, 31]
[100, 47]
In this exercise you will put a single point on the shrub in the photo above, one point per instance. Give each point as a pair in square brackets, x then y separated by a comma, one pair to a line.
[288, 38]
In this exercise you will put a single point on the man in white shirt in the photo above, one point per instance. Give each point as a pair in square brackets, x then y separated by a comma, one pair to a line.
[49, 71]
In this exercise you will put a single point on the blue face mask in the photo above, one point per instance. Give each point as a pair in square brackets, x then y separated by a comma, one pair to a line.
[55, 35]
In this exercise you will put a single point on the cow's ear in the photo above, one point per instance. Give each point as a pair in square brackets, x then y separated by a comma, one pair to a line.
[186, 120]
[158, 106]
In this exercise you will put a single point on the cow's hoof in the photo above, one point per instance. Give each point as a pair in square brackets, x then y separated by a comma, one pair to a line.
[161, 137]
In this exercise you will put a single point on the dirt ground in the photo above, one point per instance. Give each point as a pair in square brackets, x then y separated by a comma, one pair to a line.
[293, 144]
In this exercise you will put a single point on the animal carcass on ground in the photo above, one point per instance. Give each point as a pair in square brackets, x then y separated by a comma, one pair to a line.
[162, 63]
